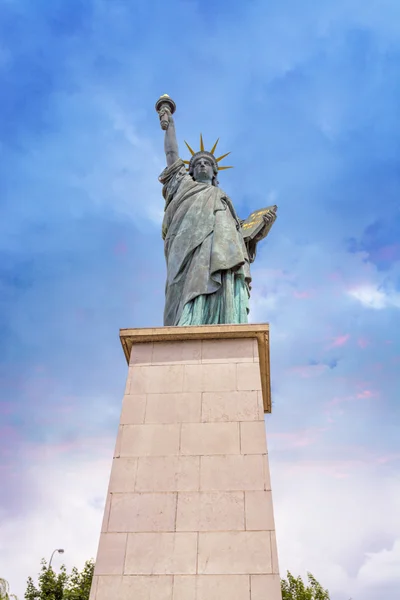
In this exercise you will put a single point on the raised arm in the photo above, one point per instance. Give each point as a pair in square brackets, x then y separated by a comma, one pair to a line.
[170, 142]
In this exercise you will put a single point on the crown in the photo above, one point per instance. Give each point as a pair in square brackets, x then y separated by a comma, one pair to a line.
[206, 153]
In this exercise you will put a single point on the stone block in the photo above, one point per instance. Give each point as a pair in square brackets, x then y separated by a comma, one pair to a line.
[210, 377]
[259, 511]
[108, 587]
[210, 511]
[210, 438]
[111, 554]
[158, 587]
[212, 587]
[135, 587]
[184, 407]
[93, 588]
[232, 473]
[248, 376]
[188, 352]
[106, 514]
[224, 351]
[274, 548]
[123, 475]
[230, 406]
[168, 474]
[150, 440]
[117, 449]
[161, 554]
[238, 552]
[267, 476]
[141, 354]
[142, 512]
[253, 438]
[266, 587]
[157, 379]
[133, 409]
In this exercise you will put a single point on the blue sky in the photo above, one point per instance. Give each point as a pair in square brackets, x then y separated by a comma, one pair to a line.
[306, 97]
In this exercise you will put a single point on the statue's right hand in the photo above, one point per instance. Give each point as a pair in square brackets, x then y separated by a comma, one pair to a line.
[165, 117]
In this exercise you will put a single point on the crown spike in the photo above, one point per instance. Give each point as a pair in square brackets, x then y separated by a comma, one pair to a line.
[201, 143]
[190, 150]
[221, 157]
[223, 168]
[214, 147]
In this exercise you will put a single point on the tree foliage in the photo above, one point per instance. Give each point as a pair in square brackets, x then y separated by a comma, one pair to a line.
[5, 590]
[294, 588]
[61, 586]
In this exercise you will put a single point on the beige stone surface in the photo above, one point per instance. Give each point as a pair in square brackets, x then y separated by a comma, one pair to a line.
[142, 512]
[259, 511]
[223, 351]
[265, 587]
[168, 474]
[141, 354]
[161, 554]
[253, 438]
[123, 475]
[248, 376]
[158, 587]
[212, 587]
[135, 587]
[93, 588]
[232, 473]
[184, 407]
[133, 409]
[210, 377]
[267, 474]
[104, 524]
[239, 552]
[210, 511]
[108, 587]
[275, 561]
[256, 355]
[210, 438]
[111, 554]
[184, 352]
[157, 379]
[117, 449]
[150, 440]
[230, 406]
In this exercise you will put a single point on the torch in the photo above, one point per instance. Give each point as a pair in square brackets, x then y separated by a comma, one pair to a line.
[165, 102]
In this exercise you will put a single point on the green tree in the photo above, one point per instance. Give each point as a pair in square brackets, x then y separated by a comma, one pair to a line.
[5, 590]
[75, 586]
[294, 588]
[79, 583]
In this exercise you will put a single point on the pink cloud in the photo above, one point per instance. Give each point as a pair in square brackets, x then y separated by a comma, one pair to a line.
[340, 340]
[298, 439]
[365, 394]
[363, 342]
[303, 295]
[120, 249]
[391, 252]
[308, 371]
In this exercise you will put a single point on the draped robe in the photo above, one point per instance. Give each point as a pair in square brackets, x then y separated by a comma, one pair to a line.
[208, 271]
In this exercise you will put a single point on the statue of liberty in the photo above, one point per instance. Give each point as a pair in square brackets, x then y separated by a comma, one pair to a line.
[208, 249]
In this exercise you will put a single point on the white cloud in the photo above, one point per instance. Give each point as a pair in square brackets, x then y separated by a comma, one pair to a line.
[375, 297]
[326, 523]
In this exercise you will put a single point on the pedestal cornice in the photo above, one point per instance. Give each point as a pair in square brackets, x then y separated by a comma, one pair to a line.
[259, 331]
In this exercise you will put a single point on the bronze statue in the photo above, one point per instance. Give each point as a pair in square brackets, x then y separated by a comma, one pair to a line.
[208, 249]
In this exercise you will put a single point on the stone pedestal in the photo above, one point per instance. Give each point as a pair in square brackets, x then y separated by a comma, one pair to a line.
[189, 510]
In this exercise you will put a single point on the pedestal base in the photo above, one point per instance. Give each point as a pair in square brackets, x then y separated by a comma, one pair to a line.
[189, 510]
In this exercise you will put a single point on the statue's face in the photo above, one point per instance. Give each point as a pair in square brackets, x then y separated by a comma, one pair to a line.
[203, 170]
